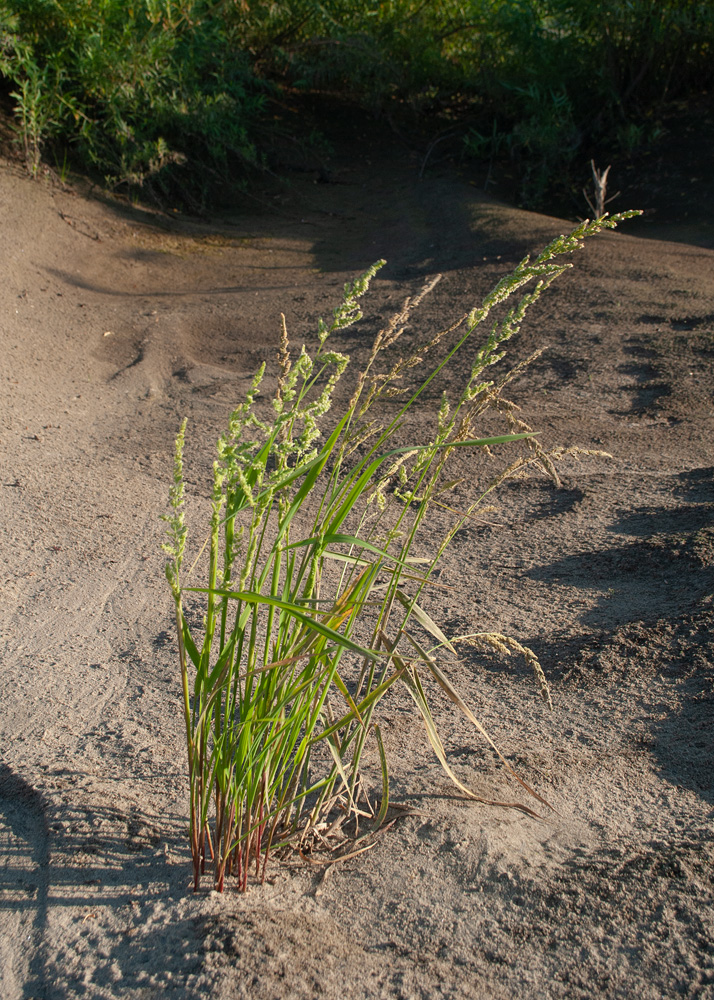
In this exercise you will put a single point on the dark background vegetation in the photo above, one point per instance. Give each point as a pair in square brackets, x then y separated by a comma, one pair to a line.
[179, 100]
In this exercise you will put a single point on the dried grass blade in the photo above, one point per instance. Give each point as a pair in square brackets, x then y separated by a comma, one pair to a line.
[343, 857]
[454, 696]
[417, 693]
[342, 688]
[425, 620]
[342, 773]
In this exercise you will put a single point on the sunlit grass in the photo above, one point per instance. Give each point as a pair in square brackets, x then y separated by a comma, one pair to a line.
[315, 598]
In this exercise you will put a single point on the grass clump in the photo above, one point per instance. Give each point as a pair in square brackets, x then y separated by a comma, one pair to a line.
[314, 597]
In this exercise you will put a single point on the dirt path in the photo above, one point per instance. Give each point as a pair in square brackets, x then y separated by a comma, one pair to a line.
[115, 323]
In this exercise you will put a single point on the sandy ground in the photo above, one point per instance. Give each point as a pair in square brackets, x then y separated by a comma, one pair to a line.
[116, 322]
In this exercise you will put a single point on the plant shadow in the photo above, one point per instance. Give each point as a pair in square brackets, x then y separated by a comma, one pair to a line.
[94, 866]
[666, 567]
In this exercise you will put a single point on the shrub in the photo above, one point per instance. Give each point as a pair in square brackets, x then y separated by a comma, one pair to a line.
[150, 94]
[172, 95]
[314, 597]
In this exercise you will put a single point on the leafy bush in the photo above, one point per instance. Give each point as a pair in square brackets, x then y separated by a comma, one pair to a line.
[138, 89]
[315, 597]
[570, 74]
[173, 94]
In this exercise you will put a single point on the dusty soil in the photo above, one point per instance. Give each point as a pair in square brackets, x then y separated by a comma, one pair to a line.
[116, 322]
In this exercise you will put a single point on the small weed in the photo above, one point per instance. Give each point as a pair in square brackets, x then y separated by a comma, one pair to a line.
[599, 191]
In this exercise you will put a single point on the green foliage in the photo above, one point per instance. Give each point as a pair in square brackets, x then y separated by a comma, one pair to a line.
[315, 602]
[559, 76]
[563, 76]
[172, 94]
[137, 89]
[607, 57]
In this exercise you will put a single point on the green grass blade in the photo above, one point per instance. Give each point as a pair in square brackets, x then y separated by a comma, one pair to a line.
[189, 644]
[249, 597]
[384, 806]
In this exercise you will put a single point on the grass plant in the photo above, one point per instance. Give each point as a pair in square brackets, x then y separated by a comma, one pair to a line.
[315, 598]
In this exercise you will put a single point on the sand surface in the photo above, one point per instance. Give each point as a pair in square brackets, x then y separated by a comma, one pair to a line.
[115, 322]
